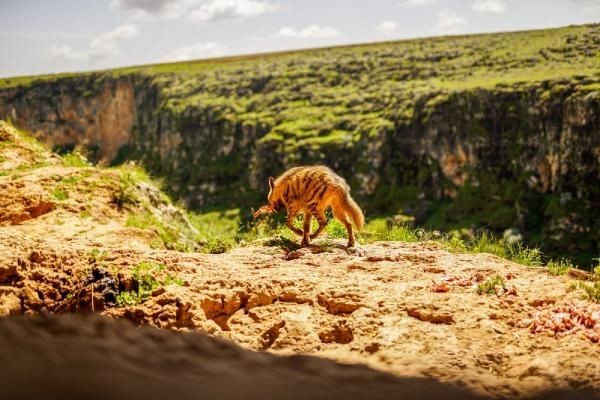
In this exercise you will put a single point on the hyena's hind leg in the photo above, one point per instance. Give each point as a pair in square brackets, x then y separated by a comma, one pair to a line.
[341, 216]
[289, 221]
[306, 231]
[320, 216]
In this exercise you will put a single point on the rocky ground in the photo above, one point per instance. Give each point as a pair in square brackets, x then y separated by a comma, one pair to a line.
[409, 309]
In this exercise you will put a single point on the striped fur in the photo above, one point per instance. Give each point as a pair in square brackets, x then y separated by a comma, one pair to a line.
[310, 191]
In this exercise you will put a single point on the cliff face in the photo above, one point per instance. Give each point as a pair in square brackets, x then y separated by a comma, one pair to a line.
[446, 130]
[93, 112]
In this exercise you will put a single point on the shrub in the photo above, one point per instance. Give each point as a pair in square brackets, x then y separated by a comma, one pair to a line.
[217, 246]
[145, 276]
[74, 159]
[489, 286]
[559, 267]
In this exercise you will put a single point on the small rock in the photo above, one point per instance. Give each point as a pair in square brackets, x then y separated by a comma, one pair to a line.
[231, 303]
[31, 298]
[430, 314]
[578, 274]
[339, 303]
[339, 333]
[356, 251]
[372, 348]
[7, 273]
[294, 255]
[440, 287]
[10, 303]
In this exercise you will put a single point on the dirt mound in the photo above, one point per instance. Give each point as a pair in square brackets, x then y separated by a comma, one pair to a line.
[410, 309]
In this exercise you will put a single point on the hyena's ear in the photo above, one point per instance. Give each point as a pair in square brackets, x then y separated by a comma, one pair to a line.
[272, 182]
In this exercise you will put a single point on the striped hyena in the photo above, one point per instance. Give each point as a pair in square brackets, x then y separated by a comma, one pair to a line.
[310, 191]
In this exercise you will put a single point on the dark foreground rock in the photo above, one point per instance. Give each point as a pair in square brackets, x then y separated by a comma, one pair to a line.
[91, 357]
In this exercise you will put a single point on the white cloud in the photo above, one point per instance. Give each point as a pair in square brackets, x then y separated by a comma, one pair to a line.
[127, 31]
[100, 47]
[194, 51]
[197, 10]
[230, 9]
[148, 6]
[489, 6]
[449, 22]
[63, 52]
[310, 32]
[415, 3]
[387, 28]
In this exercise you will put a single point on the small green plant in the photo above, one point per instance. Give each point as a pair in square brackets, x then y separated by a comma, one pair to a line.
[522, 254]
[96, 255]
[559, 267]
[379, 231]
[128, 298]
[591, 289]
[489, 286]
[146, 276]
[125, 193]
[336, 230]
[60, 194]
[74, 159]
[456, 243]
[173, 280]
[217, 246]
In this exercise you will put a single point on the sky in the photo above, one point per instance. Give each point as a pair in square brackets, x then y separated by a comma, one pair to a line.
[42, 36]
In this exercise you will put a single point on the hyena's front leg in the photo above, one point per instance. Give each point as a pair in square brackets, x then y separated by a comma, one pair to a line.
[306, 233]
[320, 216]
[289, 221]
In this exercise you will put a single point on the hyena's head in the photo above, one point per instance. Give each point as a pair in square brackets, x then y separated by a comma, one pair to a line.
[274, 196]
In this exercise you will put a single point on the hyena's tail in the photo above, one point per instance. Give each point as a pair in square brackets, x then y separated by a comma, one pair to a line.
[353, 210]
